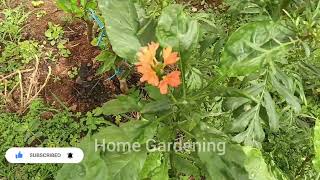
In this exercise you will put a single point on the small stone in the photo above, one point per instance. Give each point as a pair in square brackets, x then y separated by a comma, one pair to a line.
[194, 9]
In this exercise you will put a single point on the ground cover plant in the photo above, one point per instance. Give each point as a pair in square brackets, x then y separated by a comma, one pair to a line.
[170, 76]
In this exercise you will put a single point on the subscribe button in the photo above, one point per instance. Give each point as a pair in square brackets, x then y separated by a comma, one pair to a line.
[44, 155]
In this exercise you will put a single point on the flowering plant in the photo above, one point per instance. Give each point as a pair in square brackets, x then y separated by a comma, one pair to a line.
[200, 85]
[151, 68]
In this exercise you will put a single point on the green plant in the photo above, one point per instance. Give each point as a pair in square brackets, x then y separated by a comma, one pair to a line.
[28, 50]
[42, 126]
[63, 51]
[79, 9]
[243, 77]
[40, 14]
[54, 33]
[15, 55]
[12, 25]
[73, 73]
[245, 94]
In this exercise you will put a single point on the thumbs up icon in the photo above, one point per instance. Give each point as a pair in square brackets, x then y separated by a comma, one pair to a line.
[19, 155]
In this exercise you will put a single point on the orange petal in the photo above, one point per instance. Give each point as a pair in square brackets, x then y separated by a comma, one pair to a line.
[148, 74]
[153, 48]
[147, 54]
[163, 86]
[173, 78]
[169, 57]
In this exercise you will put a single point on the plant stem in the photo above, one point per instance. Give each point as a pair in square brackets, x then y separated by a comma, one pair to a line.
[89, 30]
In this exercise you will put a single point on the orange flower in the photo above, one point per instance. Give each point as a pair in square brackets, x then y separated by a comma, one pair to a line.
[147, 54]
[148, 66]
[169, 57]
[172, 79]
[148, 74]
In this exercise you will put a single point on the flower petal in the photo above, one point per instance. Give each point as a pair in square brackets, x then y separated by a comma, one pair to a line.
[173, 78]
[163, 86]
[147, 54]
[148, 74]
[169, 57]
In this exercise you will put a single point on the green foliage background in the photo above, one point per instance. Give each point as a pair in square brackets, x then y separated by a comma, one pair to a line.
[250, 78]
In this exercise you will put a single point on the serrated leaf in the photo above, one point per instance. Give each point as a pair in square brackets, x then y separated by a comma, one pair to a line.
[271, 111]
[284, 92]
[242, 122]
[152, 163]
[249, 124]
[225, 161]
[155, 167]
[194, 79]
[186, 167]
[250, 47]
[124, 165]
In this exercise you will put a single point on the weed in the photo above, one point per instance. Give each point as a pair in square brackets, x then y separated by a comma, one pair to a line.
[11, 27]
[63, 51]
[54, 33]
[40, 14]
[42, 126]
[73, 73]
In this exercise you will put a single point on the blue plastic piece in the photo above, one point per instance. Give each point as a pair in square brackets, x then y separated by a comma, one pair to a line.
[96, 19]
[100, 24]
[117, 72]
[101, 36]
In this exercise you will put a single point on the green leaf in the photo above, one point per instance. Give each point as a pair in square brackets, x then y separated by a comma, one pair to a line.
[194, 79]
[122, 26]
[256, 166]
[71, 6]
[122, 104]
[225, 161]
[107, 59]
[285, 92]
[147, 32]
[316, 142]
[186, 167]
[251, 47]
[107, 165]
[124, 165]
[154, 93]
[242, 122]
[271, 111]
[155, 167]
[152, 163]
[224, 167]
[176, 29]
[249, 124]
[156, 106]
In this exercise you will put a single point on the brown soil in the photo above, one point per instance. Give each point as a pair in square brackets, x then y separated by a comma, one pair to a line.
[87, 91]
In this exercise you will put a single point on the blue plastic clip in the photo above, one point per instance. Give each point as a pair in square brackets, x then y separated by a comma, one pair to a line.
[96, 18]
[117, 72]
[103, 34]
[100, 24]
